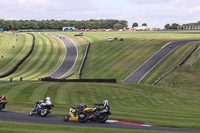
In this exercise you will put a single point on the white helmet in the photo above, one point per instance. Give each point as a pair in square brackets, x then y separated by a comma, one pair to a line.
[105, 102]
[48, 98]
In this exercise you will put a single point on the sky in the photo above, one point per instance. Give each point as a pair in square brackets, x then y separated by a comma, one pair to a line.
[156, 13]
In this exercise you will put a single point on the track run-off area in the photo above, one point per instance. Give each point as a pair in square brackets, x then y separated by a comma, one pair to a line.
[25, 118]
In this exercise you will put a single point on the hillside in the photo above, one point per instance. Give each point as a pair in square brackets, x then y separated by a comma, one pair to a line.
[159, 106]
[119, 59]
[46, 58]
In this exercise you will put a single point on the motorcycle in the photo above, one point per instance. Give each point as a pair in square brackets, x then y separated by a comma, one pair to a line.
[93, 114]
[42, 111]
[100, 114]
[3, 103]
[77, 116]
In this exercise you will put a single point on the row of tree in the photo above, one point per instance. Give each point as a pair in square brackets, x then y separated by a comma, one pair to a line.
[58, 24]
[172, 26]
[175, 25]
[136, 25]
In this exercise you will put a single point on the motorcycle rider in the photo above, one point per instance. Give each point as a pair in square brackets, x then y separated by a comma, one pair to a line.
[3, 97]
[81, 107]
[104, 104]
[42, 103]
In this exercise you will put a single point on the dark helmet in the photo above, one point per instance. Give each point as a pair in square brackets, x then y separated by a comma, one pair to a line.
[82, 104]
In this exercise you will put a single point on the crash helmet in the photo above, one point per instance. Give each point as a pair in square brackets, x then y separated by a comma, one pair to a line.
[105, 102]
[48, 98]
[82, 104]
[3, 96]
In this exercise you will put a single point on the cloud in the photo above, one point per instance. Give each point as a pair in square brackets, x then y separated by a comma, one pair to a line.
[156, 12]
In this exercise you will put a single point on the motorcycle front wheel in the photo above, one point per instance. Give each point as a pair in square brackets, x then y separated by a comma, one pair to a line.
[66, 118]
[44, 112]
[31, 113]
[102, 118]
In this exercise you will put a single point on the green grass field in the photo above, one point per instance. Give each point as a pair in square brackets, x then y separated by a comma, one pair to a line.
[45, 59]
[13, 51]
[119, 59]
[173, 103]
[36, 128]
[154, 105]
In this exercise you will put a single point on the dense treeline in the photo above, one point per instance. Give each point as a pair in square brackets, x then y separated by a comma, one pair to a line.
[175, 25]
[192, 24]
[58, 24]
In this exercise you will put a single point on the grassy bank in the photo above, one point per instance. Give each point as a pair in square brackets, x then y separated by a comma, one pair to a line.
[46, 58]
[130, 102]
[119, 59]
[13, 48]
[36, 128]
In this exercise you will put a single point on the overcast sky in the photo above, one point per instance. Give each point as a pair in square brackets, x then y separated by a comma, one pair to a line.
[156, 13]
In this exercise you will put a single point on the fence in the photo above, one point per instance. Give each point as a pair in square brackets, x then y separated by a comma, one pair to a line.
[83, 62]
[80, 80]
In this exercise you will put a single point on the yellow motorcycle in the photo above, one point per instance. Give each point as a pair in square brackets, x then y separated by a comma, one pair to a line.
[78, 116]
[2, 104]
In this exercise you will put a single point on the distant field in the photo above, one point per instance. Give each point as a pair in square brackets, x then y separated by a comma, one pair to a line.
[119, 59]
[159, 106]
[46, 58]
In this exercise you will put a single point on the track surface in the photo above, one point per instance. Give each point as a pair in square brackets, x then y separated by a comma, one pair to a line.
[25, 118]
[145, 68]
[69, 59]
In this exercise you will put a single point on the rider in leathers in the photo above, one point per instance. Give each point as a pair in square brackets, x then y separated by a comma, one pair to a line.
[42, 103]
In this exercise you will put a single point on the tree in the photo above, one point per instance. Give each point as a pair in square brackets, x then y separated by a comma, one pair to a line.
[174, 25]
[144, 24]
[167, 26]
[118, 26]
[135, 25]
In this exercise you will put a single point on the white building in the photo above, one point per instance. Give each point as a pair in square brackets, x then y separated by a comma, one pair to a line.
[141, 28]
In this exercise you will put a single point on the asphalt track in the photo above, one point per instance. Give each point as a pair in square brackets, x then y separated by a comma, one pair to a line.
[69, 59]
[25, 118]
[146, 67]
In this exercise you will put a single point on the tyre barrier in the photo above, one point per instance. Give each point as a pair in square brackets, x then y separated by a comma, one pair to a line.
[83, 62]
[21, 61]
[177, 66]
[80, 80]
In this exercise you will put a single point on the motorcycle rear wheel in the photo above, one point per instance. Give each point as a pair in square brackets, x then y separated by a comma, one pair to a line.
[1, 107]
[83, 117]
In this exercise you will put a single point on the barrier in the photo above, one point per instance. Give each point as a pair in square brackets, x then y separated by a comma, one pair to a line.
[80, 80]
[21, 61]
[83, 62]
[177, 66]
